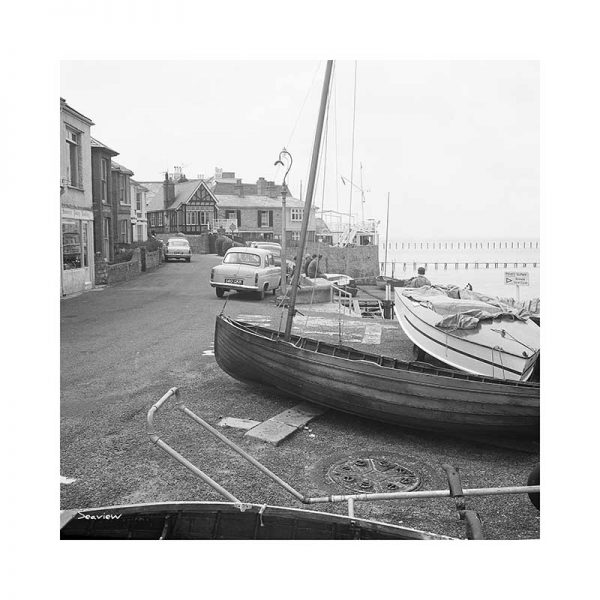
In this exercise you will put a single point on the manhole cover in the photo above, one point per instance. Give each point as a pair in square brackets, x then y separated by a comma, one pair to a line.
[373, 474]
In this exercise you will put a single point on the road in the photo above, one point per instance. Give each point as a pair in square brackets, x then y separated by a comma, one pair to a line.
[123, 347]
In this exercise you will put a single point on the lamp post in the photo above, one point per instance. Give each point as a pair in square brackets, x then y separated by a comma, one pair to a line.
[279, 161]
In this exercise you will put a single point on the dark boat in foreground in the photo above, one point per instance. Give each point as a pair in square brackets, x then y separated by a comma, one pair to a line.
[409, 394]
[226, 521]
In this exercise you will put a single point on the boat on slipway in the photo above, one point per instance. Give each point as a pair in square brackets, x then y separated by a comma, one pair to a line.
[409, 394]
[469, 331]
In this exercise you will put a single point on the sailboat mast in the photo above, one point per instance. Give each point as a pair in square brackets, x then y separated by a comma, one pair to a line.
[308, 203]
[387, 228]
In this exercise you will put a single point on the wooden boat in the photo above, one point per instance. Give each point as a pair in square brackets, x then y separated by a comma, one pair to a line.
[409, 394]
[225, 521]
[499, 348]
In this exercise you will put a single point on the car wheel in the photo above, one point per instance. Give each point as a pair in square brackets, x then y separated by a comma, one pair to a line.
[220, 292]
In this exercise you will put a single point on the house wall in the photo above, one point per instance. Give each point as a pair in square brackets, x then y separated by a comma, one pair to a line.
[102, 209]
[249, 220]
[76, 206]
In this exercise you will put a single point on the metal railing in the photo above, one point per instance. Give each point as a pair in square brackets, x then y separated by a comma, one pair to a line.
[455, 490]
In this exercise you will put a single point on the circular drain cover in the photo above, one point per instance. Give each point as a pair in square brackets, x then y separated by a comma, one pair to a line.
[373, 474]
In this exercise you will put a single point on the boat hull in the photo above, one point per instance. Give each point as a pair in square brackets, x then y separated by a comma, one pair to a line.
[225, 521]
[410, 395]
[483, 351]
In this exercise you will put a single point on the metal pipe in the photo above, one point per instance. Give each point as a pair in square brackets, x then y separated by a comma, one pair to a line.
[178, 457]
[525, 489]
[241, 452]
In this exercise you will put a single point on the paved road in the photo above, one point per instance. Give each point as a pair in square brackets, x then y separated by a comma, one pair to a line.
[123, 347]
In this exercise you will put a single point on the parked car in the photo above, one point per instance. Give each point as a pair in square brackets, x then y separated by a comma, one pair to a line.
[246, 270]
[178, 248]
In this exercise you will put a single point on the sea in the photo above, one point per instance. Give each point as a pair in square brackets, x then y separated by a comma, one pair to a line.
[492, 267]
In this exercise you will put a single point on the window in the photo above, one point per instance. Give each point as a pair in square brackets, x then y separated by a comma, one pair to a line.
[138, 201]
[104, 180]
[295, 236]
[106, 238]
[71, 234]
[230, 214]
[74, 149]
[123, 231]
[242, 258]
[297, 214]
[265, 218]
[203, 217]
[139, 232]
[123, 199]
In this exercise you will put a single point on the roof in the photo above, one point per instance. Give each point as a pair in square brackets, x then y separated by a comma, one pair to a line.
[117, 167]
[183, 192]
[97, 144]
[138, 185]
[235, 201]
[76, 113]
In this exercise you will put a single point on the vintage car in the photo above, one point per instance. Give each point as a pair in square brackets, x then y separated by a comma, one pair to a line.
[177, 248]
[246, 270]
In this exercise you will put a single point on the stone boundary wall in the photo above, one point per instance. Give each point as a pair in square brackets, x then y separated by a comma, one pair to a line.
[355, 261]
[152, 260]
[125, 271]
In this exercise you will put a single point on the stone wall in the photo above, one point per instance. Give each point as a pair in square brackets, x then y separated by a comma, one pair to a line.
[152, 260]
[125, 271]
[355, 261]
[100, 270]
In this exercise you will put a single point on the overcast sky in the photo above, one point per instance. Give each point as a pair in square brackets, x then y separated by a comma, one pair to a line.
[456, 143]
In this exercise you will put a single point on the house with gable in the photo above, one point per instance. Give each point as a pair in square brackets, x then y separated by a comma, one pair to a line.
[178, 204]
[253, 211]
[139, 219]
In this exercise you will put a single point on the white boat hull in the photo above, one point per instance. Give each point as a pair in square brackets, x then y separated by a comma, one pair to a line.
[485, 351]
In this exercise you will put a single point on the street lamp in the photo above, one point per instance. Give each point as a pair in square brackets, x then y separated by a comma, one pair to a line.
[279, 161]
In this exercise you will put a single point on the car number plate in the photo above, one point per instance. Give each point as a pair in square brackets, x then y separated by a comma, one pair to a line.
[235, 281]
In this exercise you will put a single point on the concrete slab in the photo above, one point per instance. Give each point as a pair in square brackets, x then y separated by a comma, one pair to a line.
[299, 415]
[271, 431]
[281, 426]
[238, 423]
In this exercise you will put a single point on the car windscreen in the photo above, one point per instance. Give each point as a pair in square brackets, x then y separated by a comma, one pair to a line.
[242, 258]
[178, 243]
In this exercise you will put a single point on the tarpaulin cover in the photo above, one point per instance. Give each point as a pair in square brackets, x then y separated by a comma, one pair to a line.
[462, 308]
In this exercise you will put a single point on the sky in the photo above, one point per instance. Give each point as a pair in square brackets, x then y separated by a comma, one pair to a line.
[454, 143]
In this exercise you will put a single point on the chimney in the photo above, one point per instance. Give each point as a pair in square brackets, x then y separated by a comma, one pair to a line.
[261, 186]
[169, 190]
[272, 189]
[239, 188]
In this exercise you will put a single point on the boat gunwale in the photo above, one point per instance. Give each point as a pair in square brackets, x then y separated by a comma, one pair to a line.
[248, 507]
[399, 365]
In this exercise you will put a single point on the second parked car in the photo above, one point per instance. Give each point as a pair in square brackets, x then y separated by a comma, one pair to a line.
[178, 248]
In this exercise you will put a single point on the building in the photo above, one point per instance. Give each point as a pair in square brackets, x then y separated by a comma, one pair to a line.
[121, 194]
[253, 211]
[76, 216]
[103, 199]
[139, 220]
[178, 204]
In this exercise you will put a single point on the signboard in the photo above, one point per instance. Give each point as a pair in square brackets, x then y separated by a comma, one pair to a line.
[516, 278]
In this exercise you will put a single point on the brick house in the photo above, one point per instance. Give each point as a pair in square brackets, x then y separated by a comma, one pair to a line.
[178, 204]
[103, 199]
[76, 216]
[121, 194]
[253, 211]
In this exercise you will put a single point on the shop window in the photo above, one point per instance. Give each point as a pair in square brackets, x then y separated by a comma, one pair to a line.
[71, 238]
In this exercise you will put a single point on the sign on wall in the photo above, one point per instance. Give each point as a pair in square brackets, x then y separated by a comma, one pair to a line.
[516, 278]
